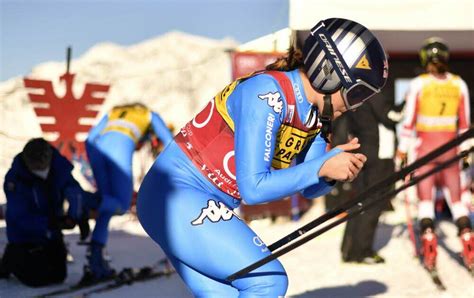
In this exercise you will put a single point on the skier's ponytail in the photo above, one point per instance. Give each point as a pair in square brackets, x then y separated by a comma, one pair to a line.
[293, 60]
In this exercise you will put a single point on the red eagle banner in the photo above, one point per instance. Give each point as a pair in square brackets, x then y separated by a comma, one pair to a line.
[66, 111]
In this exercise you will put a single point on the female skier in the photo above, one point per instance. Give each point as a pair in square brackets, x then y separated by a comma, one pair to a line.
[240, 146]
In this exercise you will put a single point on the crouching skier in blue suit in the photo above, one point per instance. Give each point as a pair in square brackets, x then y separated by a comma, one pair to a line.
[110, 146]
[240, 146]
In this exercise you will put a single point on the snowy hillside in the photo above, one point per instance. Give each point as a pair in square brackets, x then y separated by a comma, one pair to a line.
[175, 74]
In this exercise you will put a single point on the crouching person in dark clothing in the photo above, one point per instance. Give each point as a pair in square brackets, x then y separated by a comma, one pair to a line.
[36, 186]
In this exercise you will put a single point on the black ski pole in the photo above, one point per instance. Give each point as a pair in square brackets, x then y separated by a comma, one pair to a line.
[359, 208]
[375, 188]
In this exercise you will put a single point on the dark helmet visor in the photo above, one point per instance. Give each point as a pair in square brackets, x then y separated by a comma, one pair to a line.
[357, 94]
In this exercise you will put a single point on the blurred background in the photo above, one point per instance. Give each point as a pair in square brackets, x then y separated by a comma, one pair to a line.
[175, 55]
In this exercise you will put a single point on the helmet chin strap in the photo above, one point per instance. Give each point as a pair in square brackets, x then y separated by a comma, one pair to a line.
[326, 118]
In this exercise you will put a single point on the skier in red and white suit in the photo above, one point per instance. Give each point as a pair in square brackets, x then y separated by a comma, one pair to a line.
[436, 111]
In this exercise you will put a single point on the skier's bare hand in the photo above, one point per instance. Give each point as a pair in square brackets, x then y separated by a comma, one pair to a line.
[344, 166]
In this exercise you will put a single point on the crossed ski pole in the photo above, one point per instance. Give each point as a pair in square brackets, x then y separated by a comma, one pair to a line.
[360, 204]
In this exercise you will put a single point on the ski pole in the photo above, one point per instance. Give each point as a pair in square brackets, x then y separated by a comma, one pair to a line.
[409, 220]
[372, 190]
[410, 228]
[351, 212]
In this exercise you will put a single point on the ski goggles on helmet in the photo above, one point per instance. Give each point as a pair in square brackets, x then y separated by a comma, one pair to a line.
[354, 91]
[357, 94]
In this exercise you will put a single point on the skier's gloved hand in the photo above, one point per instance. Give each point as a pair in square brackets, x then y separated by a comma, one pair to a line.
[66, 222]
[466, 162]
[84, 228]
[91, 202]
[75, 197]
[400, 160]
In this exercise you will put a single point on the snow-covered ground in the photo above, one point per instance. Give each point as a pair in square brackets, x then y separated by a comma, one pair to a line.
[315, 269]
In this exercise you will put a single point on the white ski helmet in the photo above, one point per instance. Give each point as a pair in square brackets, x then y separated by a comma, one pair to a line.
[343, 55]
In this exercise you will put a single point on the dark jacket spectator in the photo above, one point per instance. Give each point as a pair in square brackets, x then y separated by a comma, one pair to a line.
[375, 130]
[36, 186]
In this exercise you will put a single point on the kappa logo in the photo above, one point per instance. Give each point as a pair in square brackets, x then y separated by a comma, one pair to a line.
[215, 211]
[363, 63]
[273, 100]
